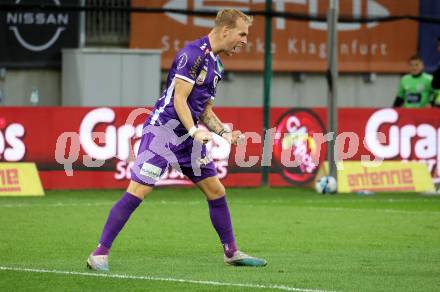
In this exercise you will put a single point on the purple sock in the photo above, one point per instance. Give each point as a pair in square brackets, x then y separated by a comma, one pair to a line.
[221, 220]
[229, 249]
[101, 250]
[117, 218]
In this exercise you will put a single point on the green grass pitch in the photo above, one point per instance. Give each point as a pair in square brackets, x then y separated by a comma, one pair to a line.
[384, 242]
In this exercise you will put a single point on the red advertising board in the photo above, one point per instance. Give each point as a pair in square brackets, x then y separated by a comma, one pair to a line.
[58, 139]
[296, 45]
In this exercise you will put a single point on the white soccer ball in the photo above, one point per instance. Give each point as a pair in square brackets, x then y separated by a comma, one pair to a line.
[326, 185]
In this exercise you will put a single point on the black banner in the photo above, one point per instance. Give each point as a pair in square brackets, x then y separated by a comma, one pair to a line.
[34, 38]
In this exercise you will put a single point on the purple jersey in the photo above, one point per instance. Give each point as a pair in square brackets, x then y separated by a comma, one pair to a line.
[197, 64]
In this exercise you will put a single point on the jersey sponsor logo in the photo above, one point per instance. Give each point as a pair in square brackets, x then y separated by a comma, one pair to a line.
[414, 98]
[183, 59]
[151, 171]
[195, 67]
[201, 78]
[202, 47]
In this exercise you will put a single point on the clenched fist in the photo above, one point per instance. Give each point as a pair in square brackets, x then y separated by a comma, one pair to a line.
[202, 136]
[234, 138]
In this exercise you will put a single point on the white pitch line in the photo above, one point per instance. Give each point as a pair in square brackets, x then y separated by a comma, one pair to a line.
[340, 209]
[55, 205]
[149, 278]
[363, 200]
[59, 205]
[192, 203]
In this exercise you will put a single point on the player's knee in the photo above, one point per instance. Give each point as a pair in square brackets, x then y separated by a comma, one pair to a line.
[217, 191]
[139, 190]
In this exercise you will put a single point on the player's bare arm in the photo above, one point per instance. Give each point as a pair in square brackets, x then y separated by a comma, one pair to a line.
[182, 91]
[210, 119]
[214, 124]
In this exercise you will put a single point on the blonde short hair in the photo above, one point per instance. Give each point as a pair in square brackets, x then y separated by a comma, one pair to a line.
[229, 17]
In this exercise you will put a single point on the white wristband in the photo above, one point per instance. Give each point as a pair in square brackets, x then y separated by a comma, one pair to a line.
[192, 131]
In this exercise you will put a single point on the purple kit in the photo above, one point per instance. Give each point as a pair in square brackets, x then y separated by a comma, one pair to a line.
[165, 140]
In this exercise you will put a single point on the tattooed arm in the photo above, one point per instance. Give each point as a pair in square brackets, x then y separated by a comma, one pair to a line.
[210, 119]
[213, 123]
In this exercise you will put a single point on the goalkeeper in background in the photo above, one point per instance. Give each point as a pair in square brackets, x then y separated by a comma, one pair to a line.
[436, 80]
[415, 90]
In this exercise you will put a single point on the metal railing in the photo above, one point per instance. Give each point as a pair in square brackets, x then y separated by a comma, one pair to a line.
[107, 28]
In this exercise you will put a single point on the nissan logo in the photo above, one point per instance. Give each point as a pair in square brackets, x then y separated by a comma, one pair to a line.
[18, 19]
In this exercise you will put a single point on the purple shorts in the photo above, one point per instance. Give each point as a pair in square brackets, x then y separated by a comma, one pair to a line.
[159, 150]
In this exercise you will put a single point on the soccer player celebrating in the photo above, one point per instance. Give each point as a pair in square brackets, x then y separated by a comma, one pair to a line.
[171, 137]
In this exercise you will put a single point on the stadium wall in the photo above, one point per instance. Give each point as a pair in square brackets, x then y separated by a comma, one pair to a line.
[16, 86]
[308, 90]
[237, 90]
